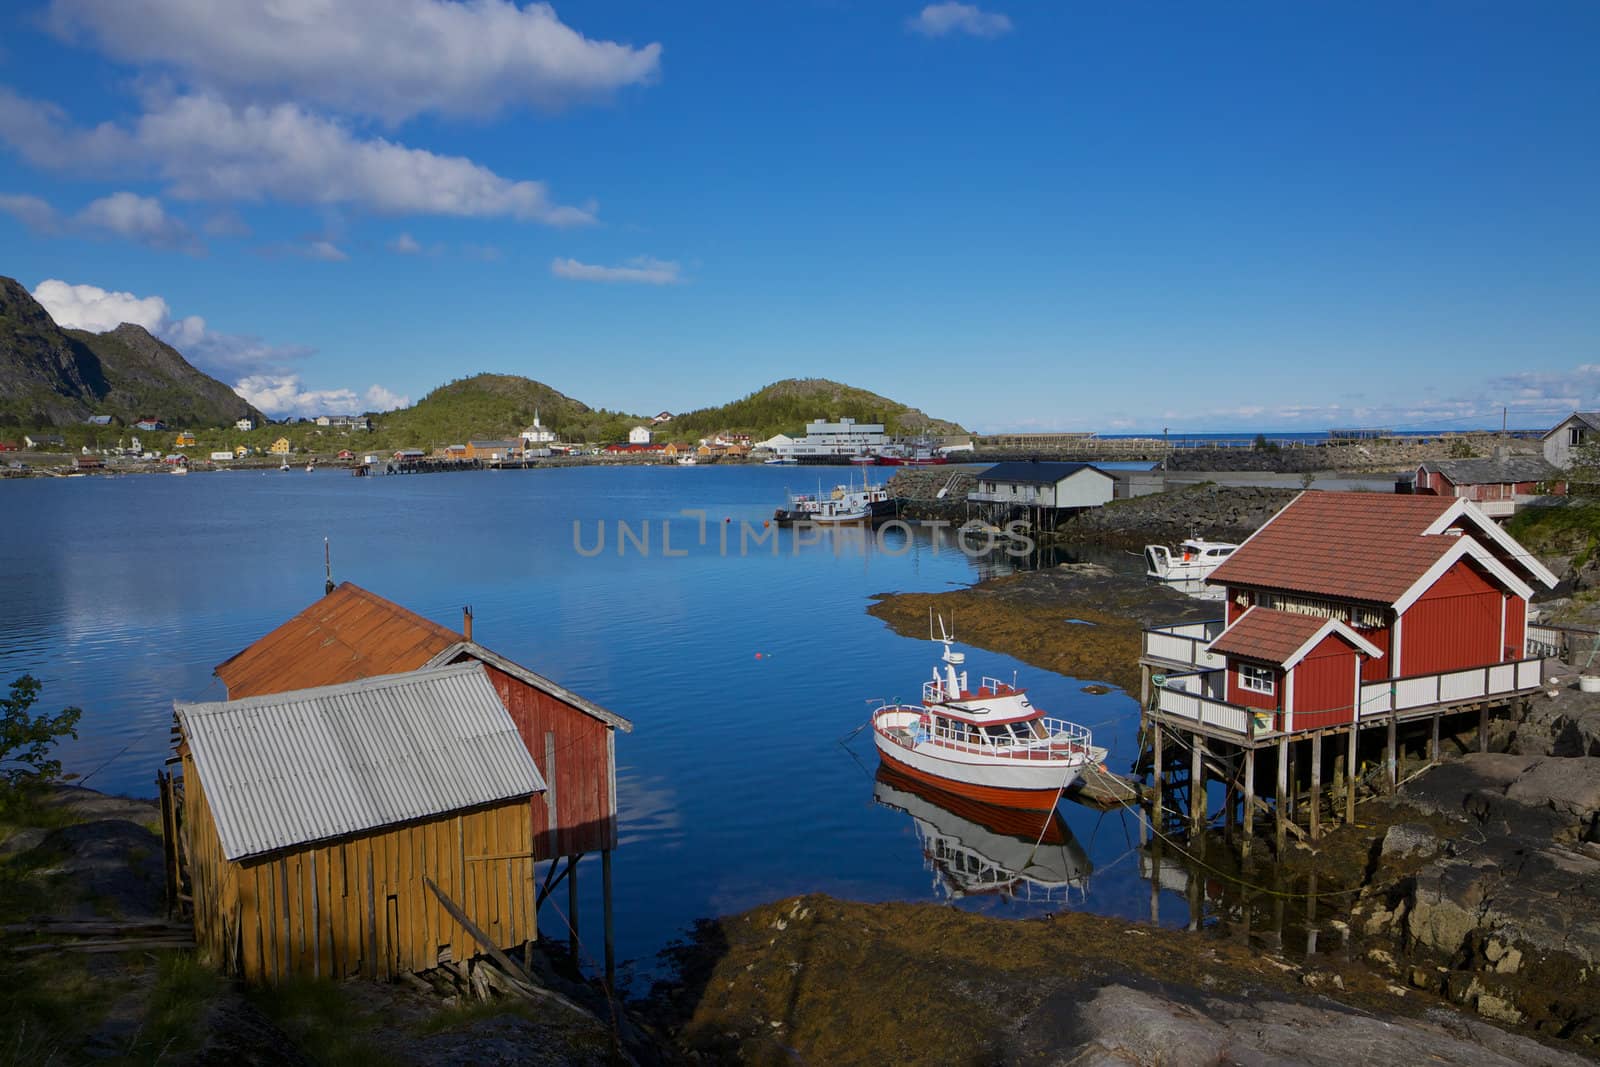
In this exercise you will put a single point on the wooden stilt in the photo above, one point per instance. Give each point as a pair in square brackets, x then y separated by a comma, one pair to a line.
[1392, 754]
[1197, 785]
[1158, 815]
[605, 890]
[1483, 728]
[1249, 799]
[1433, 749]
[1283, 790]
[572, 904]
[1316, 785]
[1352, 768]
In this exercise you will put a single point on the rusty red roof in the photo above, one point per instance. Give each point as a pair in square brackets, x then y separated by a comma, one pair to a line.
[1280, 637]
[1357, 546]
[347, 635]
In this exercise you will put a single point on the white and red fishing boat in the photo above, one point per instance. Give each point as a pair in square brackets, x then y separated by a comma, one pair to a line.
[989, 743]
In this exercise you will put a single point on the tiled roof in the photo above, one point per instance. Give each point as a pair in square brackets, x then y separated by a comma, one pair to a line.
[348, 634]
[1270, 636]
[1033, 472]
[291, 768]
[1357, 546]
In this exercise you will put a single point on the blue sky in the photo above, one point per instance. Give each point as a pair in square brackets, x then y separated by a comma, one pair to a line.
[1019, 216]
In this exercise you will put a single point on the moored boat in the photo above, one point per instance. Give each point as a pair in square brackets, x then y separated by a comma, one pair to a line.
[1191, 561]
[845, 505]
[990, 743]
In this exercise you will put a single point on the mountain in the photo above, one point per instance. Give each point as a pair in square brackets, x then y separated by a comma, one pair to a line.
[55, 377]
[494, 406]
[786, 406]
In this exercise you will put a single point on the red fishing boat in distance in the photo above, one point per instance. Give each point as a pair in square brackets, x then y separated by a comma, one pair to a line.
[988, 743]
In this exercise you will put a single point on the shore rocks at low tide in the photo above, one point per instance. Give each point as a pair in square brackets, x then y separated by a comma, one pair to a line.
[1221, 513]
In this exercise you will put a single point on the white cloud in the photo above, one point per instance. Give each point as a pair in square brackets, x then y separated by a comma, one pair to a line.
[208, 149]
[227, 223]
[226, 356]
[404, 244]
[389, 58]
[286, 394]
[641, 270]
[941, 20]
[326, 251]
[32, 212]
[137, 218]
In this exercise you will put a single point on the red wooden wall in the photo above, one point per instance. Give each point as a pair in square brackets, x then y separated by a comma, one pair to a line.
[1516, 626]
[1325, 685]
[1249, 698]
[1456, 624]
[582, 774]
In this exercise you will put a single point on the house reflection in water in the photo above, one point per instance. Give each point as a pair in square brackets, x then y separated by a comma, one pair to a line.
[978, 849]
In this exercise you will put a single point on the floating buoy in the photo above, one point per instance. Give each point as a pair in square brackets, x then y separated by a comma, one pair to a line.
[758, 655]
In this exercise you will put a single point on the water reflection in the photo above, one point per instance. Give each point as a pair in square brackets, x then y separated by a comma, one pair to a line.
[978, 849]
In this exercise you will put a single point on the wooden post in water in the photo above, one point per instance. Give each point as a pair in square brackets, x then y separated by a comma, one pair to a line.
[1283, 790]
[1433, 750]
[1197, 785]
[605, 887]
[1157, 815]
[1351, 770]
[1249, 799]
[572, 905]
[1483, 728]
[1316, 785]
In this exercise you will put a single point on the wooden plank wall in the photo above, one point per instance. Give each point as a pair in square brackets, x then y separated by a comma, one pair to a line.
[358, 906]
[585, 821]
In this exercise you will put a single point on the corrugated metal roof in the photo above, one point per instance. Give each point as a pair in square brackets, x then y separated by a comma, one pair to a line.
[1505, 471]
[314, 764]
[1034, 472]
[346, 635]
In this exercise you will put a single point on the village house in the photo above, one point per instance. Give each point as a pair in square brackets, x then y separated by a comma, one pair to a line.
[39, 441]
[494, 451]
[98, 420]
[537, 434]
[184, 439]
[661, 416]
[1034, 483]
[639, 435]
[1498, 485]
[351, 634]
[280, 447]
[403, 455]
[245, 425]
[315, 818]
[241, 451]
[148, 424]
[1577, 429]
[345, 422]
[1346, 611]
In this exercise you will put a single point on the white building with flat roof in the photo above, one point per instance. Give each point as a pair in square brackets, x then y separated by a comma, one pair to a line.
[823, 440]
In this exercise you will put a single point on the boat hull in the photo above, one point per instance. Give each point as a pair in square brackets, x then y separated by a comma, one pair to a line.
[1031, 785]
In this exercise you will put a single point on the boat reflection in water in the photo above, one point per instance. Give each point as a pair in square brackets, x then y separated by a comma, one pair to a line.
[976, 849]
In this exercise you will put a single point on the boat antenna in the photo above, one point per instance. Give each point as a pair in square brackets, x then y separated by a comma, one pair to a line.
[327, 568]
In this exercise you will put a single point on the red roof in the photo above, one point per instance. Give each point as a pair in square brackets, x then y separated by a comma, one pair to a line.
[1267, 635]
[347, 635]
[1357, 546]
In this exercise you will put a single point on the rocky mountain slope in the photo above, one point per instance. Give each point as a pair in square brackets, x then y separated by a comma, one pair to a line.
[786, 406]
[55, 377]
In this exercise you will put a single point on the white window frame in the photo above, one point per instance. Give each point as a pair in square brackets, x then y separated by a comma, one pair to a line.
[1253, 679]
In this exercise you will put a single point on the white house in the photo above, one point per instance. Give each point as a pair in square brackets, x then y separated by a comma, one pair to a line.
[663, 416]
[1576, 429]
[639, 435]
[847, 437]
[1031, 483]
[245, 425]
[779, 443]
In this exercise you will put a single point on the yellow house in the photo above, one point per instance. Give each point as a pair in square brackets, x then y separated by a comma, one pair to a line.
[280, 447]
[185, 439]
[241, 451]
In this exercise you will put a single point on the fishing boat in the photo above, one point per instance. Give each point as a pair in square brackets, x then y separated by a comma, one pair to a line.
[687, 461]
[976, 849]
[845, 505]
[1192, 561]
[990, 743]
[919, 454]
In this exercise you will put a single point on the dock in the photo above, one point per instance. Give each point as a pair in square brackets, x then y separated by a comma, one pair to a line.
[1102, 788]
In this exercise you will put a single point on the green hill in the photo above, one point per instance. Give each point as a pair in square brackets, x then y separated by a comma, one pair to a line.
[492, 406]
[786, 406]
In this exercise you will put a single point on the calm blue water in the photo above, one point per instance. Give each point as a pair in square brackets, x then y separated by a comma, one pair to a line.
[122, 594]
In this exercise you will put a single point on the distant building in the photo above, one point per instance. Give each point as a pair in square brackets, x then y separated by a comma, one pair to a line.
[665, 416]
[778, 443]
[1581, 427]
[241, 451]
[245, 425]
[223, 456]
[404, 454]
[149, 425]
[639, 435]
[44, 440]
[537, 434]
[1031, 483]
[345, 422]
[185, 439]
[495, 451]
[280, 447]
[1498, 485]
[826, 440]
[98, 420]
[88, 463]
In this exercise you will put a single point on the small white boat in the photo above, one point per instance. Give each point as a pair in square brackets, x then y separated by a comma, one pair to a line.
[1191, 561]
[687, 461]
[284, 465]
[846, 505]
[779, 462]
[180, 469]
[989, 744]
[310, 467]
